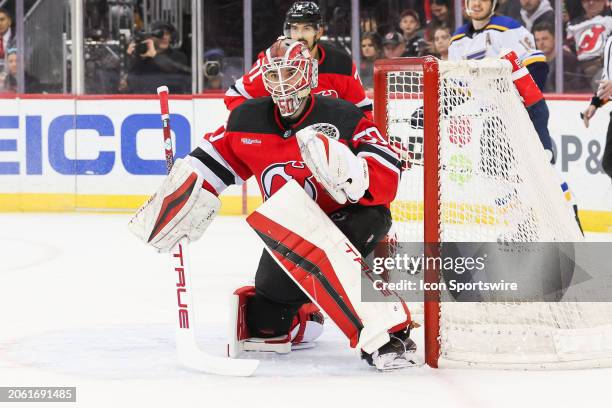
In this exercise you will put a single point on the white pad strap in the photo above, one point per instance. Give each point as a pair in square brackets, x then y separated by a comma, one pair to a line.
[180, 208]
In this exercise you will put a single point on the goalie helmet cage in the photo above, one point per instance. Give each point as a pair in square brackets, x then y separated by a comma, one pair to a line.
[475, 171]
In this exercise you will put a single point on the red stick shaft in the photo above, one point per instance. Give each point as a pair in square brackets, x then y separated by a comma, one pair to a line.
[162, 91]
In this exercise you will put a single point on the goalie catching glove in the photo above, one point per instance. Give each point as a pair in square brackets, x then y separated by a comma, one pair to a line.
[180, 208]
[334, 165]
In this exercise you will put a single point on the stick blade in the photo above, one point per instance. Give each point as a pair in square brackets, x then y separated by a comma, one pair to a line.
[191, 357]
[161, 89]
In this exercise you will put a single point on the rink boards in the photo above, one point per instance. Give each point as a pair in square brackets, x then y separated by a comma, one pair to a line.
[106, 153]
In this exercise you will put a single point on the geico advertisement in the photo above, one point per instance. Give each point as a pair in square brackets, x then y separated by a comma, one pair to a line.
[116, 146]
[95, 146]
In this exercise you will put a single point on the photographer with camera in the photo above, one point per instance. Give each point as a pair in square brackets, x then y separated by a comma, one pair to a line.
[8, 79]
[213, 77]
[153, 62]
[220, 71]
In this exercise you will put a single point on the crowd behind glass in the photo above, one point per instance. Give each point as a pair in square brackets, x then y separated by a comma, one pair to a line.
[147, 53]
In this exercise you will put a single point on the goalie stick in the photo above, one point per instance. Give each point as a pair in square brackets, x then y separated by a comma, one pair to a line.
[188, 353]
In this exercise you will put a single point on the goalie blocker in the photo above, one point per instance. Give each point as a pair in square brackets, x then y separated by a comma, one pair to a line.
[180, 208]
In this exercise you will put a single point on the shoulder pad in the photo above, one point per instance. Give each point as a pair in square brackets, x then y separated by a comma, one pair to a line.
[336, 61]
[461, 30]
[503, 23]
[252, 115]
[459, 33]
[338, 112]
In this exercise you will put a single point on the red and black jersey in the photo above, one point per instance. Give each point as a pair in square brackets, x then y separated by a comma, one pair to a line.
[338, 78]
[256, 143]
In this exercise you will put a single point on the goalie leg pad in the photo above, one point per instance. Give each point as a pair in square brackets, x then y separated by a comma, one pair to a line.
[179, 208]
[259, 324]
[363, 226]
[323, 262]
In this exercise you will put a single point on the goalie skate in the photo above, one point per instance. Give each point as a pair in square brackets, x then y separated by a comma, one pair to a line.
[398, 353]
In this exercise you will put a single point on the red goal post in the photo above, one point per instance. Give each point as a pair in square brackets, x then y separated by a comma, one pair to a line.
[428, 67]
[475, 171]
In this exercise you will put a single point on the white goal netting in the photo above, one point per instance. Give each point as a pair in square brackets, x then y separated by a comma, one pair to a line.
[495, 184]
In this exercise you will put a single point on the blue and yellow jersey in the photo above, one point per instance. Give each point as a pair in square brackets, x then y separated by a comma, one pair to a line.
[501, 33]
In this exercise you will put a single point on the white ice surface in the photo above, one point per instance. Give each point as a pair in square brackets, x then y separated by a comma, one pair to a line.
[83, 303]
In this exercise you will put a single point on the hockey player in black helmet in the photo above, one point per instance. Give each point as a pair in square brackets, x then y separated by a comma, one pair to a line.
[338, 76]
[303, 22]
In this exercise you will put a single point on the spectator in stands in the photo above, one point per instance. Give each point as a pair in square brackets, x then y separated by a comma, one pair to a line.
[386, 13]
[370, 52]
[441, 42]
[441, 16]
[394, 45]
[417, 5]
[410, 24]
[592, 8]
[536, 11]
[153, 62]
[6, 33]
[32, 84]
[573, 9]
[587, 35]
[509, 8]
[565, 17]
[574, 79]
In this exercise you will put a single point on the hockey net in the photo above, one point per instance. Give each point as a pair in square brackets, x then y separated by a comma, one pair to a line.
[475, 171]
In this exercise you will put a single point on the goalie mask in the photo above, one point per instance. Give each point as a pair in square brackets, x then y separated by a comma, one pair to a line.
[289, 73]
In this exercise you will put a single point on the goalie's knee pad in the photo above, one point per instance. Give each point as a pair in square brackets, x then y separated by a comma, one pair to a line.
[260, 324]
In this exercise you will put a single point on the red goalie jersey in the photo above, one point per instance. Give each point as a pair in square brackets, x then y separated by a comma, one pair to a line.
[255, 142]
[338, 78]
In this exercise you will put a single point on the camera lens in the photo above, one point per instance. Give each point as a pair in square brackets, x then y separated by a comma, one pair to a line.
[212, 68]
[141, 48]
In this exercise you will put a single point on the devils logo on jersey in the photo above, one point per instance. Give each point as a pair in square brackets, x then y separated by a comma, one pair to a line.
[328, 92]
[371, 136]
[277, 175]
[592, 39]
